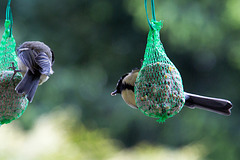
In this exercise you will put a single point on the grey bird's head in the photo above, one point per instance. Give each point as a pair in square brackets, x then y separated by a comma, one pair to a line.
[37, 47]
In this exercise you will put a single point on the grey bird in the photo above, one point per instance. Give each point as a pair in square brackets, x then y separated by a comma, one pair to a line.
[126, 83]
[35, 60]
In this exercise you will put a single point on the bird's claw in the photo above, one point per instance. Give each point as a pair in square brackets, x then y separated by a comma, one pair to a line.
[14, 70]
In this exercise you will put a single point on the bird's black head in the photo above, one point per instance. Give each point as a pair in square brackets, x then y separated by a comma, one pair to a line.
[119, 86]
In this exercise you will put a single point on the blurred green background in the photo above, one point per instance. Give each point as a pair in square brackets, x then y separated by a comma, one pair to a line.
[73, 115]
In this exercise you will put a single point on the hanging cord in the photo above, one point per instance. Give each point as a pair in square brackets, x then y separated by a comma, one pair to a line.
[153, 13]
[9, 17]
[153, 10]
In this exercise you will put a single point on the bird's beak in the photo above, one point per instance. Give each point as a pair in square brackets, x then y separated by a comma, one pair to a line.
[114, 93]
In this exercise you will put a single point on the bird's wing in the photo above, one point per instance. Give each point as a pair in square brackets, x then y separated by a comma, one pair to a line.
[27, 56]
[44, 63]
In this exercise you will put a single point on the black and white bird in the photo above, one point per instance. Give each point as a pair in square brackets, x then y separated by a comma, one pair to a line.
[125, 87]
[35, 60]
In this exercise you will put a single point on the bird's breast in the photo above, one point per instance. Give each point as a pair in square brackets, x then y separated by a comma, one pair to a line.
[129, 97]
[43, 79]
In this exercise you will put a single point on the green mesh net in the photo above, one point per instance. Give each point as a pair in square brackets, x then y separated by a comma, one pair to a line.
[158, 87]
[12, 104]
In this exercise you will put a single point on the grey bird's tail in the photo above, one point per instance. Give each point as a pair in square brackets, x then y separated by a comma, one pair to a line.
[28, 85]
[220, 106]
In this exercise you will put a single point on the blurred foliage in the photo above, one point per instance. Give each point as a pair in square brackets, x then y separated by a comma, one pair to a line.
[96, 42]
[55, 136]
[58, 136]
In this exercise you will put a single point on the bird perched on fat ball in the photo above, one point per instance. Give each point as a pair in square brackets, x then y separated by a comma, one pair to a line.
[35, 60]
[126, 83]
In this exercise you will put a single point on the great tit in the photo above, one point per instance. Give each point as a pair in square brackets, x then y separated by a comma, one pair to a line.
[35, 60]
[125, 87]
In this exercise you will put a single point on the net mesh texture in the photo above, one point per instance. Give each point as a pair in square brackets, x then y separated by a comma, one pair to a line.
[12, 104]
[158, 87]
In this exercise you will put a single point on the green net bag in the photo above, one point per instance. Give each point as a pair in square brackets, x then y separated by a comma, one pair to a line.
[12, 104]
[158, 87]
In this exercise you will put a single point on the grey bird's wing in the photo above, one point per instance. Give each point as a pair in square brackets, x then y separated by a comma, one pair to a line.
[27, 56]
[44, 63]
[35, 61]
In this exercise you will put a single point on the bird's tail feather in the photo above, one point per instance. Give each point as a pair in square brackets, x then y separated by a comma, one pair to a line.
[220, 106]
[28, 85]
